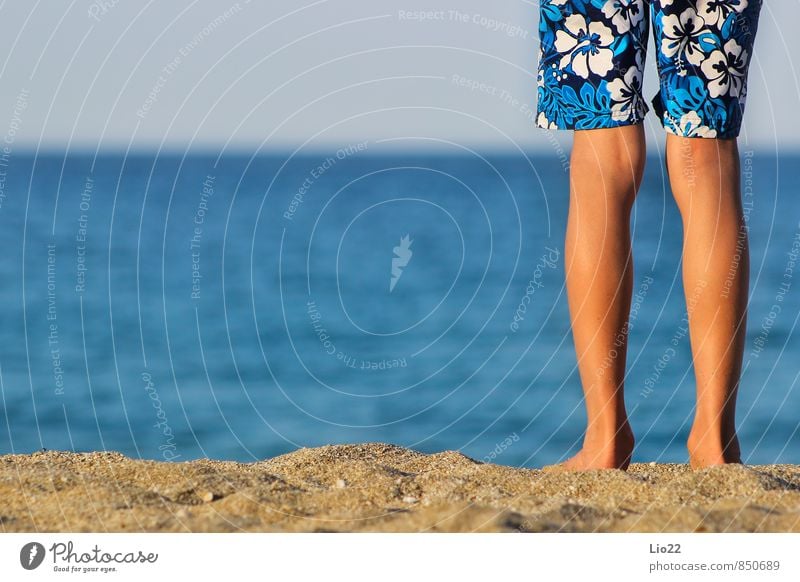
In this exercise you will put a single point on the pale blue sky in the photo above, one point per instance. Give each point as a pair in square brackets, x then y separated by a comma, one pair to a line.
[325, 73]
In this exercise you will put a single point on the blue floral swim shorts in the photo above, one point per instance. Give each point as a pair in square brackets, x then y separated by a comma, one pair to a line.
[592, 55]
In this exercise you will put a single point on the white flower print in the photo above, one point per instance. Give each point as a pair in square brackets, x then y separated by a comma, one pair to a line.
[626, 93]
[716, 11]
[624, 14]
[691, 125]
[545, 123]
[726, 70]
[585, 46]
[681, 36]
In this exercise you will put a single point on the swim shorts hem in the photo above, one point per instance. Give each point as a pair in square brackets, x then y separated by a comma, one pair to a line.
[577, 118]
[607, 123]
[703, 132]
[690, 123]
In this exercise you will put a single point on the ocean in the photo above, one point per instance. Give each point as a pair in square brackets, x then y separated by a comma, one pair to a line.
[174, 306]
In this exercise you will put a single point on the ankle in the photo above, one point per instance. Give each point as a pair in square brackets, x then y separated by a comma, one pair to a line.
[611, 442]
[712, 446]
[711, 431]
[609, 431]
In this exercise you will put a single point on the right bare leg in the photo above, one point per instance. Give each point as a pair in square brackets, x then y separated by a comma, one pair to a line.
[704, 174]
[605, 174]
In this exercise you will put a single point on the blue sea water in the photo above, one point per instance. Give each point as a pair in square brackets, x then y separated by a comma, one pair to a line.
[175, 307]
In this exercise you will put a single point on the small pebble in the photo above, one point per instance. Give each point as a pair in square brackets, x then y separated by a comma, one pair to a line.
[652, 463]
[206, 496]
[341, 483]
[409, 499]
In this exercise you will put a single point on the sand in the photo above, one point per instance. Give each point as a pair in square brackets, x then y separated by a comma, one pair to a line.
[379, 487]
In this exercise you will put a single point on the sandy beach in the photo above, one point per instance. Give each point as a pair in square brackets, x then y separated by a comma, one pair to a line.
[379, 487]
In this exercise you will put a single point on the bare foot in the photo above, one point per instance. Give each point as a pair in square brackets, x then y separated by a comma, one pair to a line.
[612, 452]
[707, 448]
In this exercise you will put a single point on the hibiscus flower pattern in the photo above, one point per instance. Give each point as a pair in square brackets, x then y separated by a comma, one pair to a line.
[682, 36]
[624, 14]
[726, 70]
[591, 63]
[717, 12]
[585, 46]
[626, 93]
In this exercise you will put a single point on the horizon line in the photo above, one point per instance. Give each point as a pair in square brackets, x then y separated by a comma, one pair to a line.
[257, 151]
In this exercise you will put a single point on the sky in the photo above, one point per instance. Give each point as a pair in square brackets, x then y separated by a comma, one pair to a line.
[313, 74]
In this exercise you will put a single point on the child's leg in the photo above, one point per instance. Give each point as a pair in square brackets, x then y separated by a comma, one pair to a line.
[590, 78]
[704, 174]
[704, 51]
[605, 173]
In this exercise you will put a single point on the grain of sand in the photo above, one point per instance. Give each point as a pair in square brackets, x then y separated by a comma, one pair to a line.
[379, 487]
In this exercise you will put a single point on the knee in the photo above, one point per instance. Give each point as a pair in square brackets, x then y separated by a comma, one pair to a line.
[614, 147]
[617, 153]
[700, 163]
[691, 154]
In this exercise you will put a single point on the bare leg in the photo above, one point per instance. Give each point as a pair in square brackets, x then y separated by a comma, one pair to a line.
[606, 170]
[704, 174]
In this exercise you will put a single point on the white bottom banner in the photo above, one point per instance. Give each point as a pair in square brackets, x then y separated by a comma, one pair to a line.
[406, 557]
